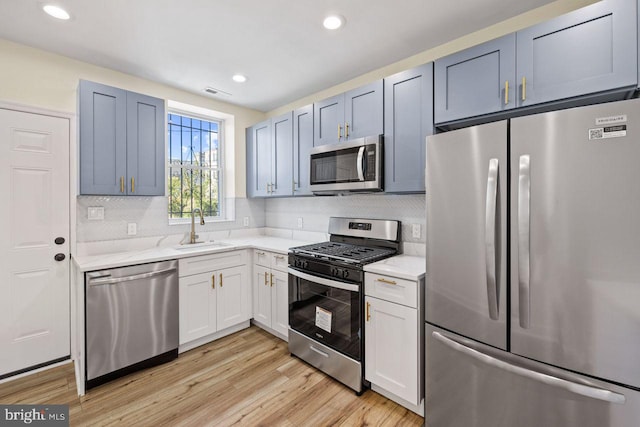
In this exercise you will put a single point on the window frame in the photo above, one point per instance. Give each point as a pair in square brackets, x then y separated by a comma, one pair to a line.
[222, 208]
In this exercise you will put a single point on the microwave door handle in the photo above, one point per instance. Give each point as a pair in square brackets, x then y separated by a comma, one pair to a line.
[359, 163]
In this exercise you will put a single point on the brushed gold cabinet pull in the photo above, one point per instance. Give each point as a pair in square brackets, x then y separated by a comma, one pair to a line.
[388, 282]
[506, 92]
[293, 188]
[524, 88]
[368, 313]
[213, 281]
[339, 131]
[133, 185]
[122, 184]
[220, 279]
[346, 127]
[272, 280]
[279, 257]
[266, 283]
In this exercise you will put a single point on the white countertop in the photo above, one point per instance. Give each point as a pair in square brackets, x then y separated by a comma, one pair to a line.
[120, 259]
[401, 266]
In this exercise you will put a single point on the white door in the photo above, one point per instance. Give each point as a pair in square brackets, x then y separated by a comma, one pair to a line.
[261, 295]
[391, 348]
[280, 302]
[233, 297]
[197, 302]
[34, 286]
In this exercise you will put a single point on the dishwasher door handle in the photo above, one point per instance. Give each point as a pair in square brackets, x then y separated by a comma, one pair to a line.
[114, 280]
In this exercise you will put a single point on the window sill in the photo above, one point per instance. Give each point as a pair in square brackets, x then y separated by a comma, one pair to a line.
[183, 221]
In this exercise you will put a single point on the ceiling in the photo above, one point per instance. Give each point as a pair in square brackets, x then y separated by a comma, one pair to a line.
[280, 45]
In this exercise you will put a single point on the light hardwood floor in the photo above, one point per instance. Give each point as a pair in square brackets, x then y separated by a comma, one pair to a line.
[246, 379]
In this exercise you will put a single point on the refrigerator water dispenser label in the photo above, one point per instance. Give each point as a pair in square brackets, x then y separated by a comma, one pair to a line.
[611, 120]
[608, 132]
[323, 319]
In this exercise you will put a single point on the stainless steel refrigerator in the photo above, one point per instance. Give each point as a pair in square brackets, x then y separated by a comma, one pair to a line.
[533, 271]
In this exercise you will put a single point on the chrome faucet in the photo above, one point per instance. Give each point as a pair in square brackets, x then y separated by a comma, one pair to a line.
[194, 236]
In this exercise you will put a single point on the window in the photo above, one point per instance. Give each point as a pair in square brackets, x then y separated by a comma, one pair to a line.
[195, 166]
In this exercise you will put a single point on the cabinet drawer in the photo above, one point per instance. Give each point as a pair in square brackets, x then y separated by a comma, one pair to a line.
[262, 258]
[206, 263]
[391, 289]
[279, 262]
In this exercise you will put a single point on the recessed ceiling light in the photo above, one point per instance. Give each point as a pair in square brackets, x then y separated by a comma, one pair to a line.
[333, 22]
[56, 12]
[239, 78]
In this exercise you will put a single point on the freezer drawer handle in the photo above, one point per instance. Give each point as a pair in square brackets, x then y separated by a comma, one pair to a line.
[112, 280]
[490, 238]
[581, 389]
[524, 218]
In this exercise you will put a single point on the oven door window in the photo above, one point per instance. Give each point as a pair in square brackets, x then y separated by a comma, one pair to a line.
[326, 314]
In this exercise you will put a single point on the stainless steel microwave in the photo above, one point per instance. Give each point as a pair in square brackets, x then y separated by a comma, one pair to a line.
[345, 167]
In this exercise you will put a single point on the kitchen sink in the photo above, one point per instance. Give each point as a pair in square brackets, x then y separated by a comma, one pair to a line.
[201, 245]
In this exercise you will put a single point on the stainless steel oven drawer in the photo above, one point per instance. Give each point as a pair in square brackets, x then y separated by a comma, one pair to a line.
[329, 361]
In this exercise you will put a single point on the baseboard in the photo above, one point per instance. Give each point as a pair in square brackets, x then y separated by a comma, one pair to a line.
[418, 409]
[212, 337]
[271, 331]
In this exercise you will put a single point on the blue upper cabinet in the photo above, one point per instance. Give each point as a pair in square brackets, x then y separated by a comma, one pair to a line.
[476, 81]
[282, 157]
[270, 157]
[593, 49]
[103, 139]
[408, 115]
[122, 142]
[350, 115]
[363, 111]
[259, 160]
[302, 145]
[588, 53]
[329, 120]
[145, 145]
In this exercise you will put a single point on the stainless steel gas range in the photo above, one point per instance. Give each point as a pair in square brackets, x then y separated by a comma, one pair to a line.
[326, 293]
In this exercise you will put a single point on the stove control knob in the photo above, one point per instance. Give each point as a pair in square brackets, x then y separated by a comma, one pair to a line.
[345, 274]
[305, 264]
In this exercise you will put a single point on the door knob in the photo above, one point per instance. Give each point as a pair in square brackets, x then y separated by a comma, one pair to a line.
[59, 240]
[59, 257]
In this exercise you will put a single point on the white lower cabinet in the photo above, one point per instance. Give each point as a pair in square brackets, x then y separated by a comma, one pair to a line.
[393, 353]
[271, 292]
[391, 348]
[214, 294]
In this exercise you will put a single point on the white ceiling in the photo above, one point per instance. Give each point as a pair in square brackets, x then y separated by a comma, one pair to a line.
[280, 45]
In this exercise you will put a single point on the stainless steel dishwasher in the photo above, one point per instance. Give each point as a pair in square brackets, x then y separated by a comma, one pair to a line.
[131, 319]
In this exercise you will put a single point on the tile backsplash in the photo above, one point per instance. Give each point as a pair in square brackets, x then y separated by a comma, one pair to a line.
[315, 211]
[150, 215]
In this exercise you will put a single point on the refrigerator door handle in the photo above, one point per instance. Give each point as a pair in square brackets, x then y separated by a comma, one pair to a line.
[490, 238]
[524, 217]
[573, 387]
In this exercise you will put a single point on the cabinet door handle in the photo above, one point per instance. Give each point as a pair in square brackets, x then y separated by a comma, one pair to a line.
[346, 128]
[213, 281]
[388, 282]
[260, 253]
[122, 184]
[265, 279]
[220, 279]
[293, 188]
[368, 312]
[279, 256]
[506, 92]
[271, 280]
[524, 88]
[339, 131]
[133, 185]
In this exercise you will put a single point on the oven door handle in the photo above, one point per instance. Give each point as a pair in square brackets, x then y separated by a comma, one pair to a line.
[323, 281]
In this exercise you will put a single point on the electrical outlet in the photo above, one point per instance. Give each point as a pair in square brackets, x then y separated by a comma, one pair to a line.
[415, 231]
[300, 223]
[95, 213]
[132, 229]
[245, 221]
